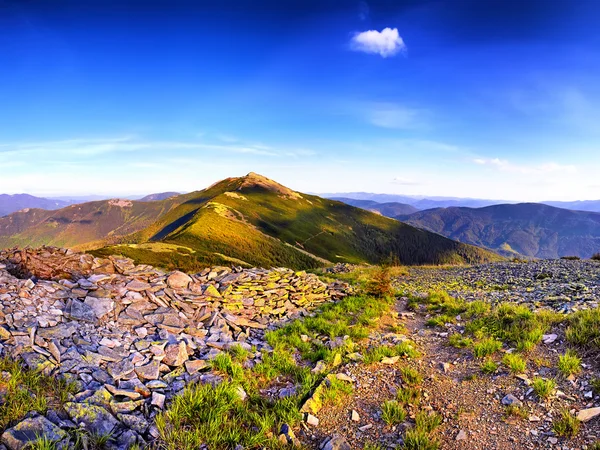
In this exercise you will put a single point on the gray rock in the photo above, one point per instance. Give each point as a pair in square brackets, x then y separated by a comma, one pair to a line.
[336, 442]
[100, 306]
[30, 430]
[94, 418]
[511, 400]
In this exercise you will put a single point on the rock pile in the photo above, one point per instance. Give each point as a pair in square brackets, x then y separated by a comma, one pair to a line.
[132, 336]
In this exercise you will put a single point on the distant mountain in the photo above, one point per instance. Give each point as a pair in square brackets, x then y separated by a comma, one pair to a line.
[529, 229]
[581, 205]
[419, 202]
[249, 220]
[17, 202]
[159, 196]
[391, 209]
[80, 226]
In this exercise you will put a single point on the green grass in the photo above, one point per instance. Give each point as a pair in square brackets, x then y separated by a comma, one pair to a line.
[569, 363]
[373, 446]
[514, 362]
[486, 347]
[427, 422]
[459, 341]
[392, 412]
[411, 377]
[28, 390]
[543, 387]
[214, 416]
[415, 439]
[515, 411]
[489, 366]
[567, 425]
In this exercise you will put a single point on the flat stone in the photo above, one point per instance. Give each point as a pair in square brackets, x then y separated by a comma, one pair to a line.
[100, 306]
[30, 430]
[390, 361]
[461, 436]
[176, 354]
[354, 416]
[585, 415]
[336, 442]
[120, 369]
[311, 420]
[511, 400]
[149, 371]
[549, 338]
[196, 366]
[137, 286]
[179, 280]
[81, 311]
[158, 400]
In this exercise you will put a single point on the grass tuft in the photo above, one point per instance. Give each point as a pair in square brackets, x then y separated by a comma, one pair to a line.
[567, 425]
[514, 362]
[569, 363]
[543, 387]
[392, 412]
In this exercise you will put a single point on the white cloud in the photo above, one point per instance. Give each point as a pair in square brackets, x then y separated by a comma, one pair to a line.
[507, 166]
[386, 42]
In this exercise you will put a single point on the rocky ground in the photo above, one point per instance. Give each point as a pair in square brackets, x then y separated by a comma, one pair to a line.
[564, 285]
[132, 338]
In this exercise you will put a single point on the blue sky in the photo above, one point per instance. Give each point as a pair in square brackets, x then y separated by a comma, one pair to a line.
[472, 98]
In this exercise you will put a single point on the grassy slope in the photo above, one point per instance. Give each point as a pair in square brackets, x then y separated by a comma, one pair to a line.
[244, 224]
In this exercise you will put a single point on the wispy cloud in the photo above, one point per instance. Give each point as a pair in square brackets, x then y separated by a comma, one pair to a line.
[389, 115]
[544, 168]
[385, 43]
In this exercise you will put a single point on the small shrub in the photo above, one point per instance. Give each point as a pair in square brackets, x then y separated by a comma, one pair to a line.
[419, 440]
[543, 387]
[567, 425]
[569, 363]
[570, 258]
[486, 347]
[392, 412]
[380, 285]
[595, 257]
[489, 366]
[514, 362]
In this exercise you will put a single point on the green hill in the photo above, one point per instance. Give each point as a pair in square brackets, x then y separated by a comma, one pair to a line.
[249, 220]
[260, 222]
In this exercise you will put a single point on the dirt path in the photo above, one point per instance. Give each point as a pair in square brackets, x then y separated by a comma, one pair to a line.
[469, 401]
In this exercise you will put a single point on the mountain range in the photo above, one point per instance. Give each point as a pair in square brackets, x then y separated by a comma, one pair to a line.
[422, 203]
[529, 229]
[248, 220]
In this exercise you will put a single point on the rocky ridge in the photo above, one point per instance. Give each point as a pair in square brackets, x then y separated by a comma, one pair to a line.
[132, 337]
[563, 285]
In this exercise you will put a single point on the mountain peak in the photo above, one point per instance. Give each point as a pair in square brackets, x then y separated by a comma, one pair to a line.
[254, 180]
